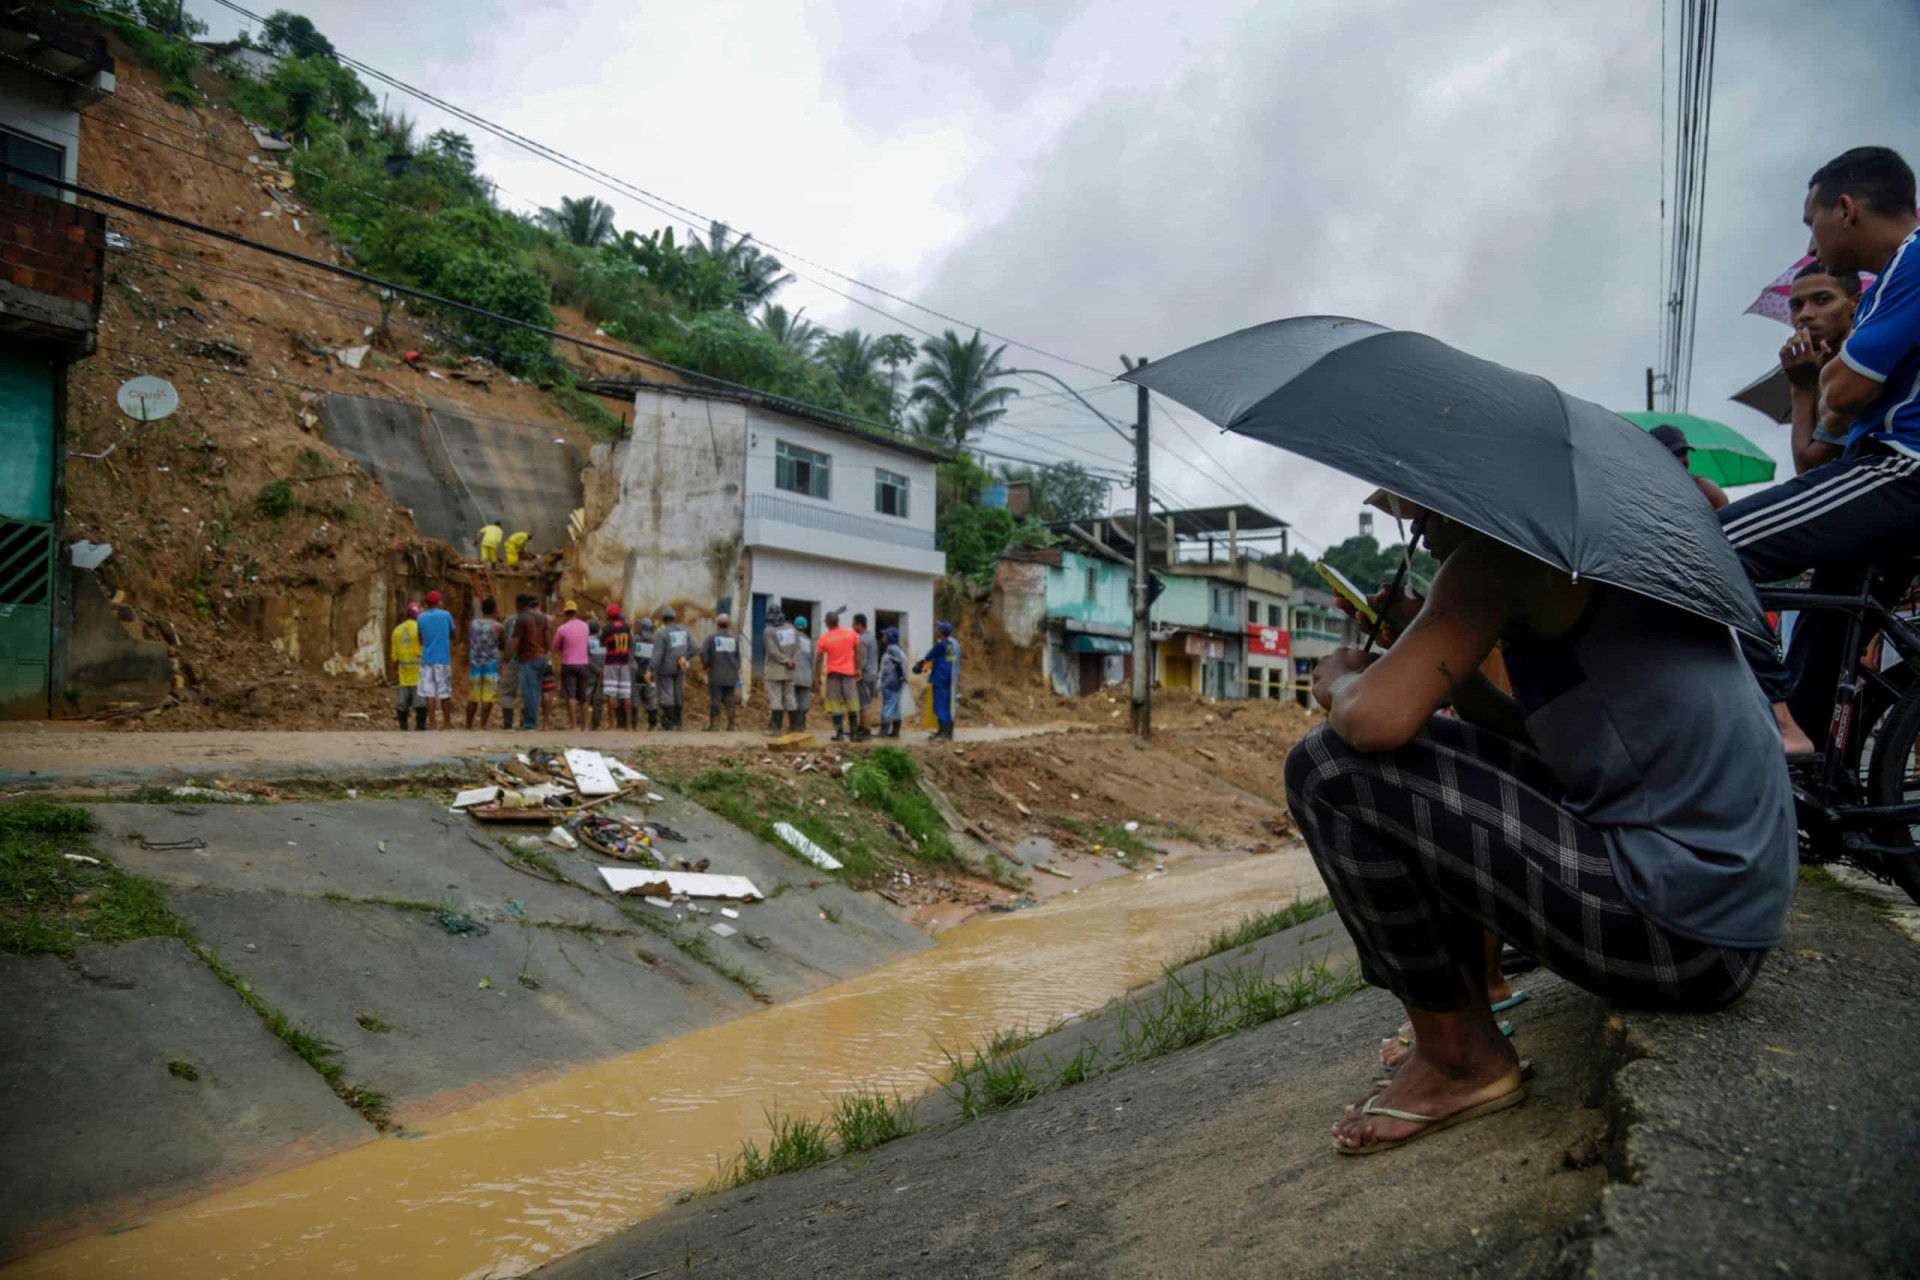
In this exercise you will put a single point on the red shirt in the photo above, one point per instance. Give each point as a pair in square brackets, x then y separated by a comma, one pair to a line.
[839, 645]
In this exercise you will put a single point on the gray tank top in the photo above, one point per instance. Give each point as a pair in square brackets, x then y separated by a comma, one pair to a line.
[1657, 729]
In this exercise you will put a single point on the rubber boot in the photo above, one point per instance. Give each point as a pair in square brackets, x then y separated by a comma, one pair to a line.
[713, 720]
[839, 729]
[401, 716]
[420, 719]
[799, 720]
[730, 717]
[773, 723]
[653, 718]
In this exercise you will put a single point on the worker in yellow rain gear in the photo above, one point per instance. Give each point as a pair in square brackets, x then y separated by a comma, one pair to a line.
[490, 536]
[515, 545]
[406, 662]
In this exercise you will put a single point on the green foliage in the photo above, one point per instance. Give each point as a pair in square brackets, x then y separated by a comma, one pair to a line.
[756, 275]
[585, 408]
[1062, 491]
[975, 537]
[147, 28]
[1362, 559]
[867, 1118]
[292, 33]
[275, 499]
[954, 385]
[586, 221]
[695, 282]
[1254, 927]
[315, 89]
[886, 780]
[51, 902]
[791, 330]
[509, 291]
[794, 1143]
[181, 1069]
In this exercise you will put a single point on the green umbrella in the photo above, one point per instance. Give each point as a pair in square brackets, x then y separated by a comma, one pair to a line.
[1720, 453]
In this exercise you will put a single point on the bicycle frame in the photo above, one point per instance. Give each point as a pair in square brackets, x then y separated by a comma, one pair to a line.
[1861, 608]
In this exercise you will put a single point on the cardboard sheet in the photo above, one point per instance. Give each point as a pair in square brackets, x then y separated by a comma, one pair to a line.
[590, 773]
[666, 883]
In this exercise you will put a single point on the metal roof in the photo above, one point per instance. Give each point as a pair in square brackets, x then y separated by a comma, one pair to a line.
[911, 446]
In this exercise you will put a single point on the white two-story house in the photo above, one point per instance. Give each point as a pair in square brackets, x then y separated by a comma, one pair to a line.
[733, 502]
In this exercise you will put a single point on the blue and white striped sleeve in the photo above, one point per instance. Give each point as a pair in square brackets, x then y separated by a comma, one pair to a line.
[1888, 331]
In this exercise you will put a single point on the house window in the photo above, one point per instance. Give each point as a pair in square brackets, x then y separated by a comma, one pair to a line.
[29, 153]
[1273, 615]
[800, 470]
[889, 493]
[1253, 613]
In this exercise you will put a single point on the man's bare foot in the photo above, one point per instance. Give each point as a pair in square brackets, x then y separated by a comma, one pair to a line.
[1477, 1066]
[1792, 737]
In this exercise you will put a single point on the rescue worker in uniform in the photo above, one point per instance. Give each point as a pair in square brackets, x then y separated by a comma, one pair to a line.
[671, 649]
[720, 655]
[944, 660]
[893, 682]
[782, 645]
[516, 546]
[490, 535]
[643, 671]
[802, 677]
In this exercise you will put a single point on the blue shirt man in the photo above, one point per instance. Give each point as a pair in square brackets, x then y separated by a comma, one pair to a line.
[436, 636]
[1884, 348]
[942, 662]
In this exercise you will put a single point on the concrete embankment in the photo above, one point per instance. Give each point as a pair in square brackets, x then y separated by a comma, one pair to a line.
[434, 968]
[1779, 1136]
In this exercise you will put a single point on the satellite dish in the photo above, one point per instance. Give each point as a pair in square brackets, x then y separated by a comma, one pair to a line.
[147, 399]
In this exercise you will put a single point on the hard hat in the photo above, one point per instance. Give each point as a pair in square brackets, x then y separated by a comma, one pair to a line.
[569, 607]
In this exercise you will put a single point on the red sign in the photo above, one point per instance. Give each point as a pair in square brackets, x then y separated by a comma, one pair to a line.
[1269, 642]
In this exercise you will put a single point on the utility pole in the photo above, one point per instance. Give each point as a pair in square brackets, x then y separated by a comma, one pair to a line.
[1142, 604]
[1649, 388]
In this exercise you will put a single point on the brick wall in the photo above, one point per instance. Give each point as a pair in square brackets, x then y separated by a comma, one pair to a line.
[50, 246]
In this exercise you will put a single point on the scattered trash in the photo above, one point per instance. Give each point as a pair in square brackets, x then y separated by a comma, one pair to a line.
[352, 356]
[654, 884]
[561, 838]
[654, 797]
[81, 857]
[208, 793]
[590, 773]
[1131, 826]
[479, 795]
[486, 984]
[806, 848]
[724, 930]
[91, 555]
[1052, 870]
[728, 912]
[455, 923]
[662, 831]
[514, 908]
[623, 772]
[381, 845]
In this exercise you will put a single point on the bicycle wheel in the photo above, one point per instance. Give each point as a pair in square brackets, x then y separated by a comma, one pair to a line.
[1893, 777]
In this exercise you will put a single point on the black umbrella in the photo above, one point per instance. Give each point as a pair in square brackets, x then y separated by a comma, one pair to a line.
[1505, 452]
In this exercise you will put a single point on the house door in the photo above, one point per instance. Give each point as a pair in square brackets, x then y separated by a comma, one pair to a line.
[1090, 665]
[27, 560]
[758, 630]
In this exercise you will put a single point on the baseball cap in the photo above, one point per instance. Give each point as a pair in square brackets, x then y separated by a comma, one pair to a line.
[1672, 437]
[413, 609]
[569, 607]
[433, 597]
[613, 611]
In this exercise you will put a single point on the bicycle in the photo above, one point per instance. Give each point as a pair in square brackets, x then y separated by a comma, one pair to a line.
[1858, 801]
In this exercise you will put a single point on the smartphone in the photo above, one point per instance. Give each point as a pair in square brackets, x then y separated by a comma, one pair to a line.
[1341, 586]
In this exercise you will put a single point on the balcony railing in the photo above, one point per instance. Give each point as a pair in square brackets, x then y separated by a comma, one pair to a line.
[767, 506]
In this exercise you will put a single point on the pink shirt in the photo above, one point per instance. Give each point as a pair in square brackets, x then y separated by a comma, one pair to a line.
[571, 642]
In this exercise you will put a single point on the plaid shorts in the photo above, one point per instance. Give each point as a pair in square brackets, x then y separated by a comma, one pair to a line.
[436, 680]
[1462, 831]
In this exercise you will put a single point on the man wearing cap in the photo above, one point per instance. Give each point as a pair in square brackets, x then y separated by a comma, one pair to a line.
[671, 649]
[720, 655]
[616, 678]
[1676, 441]
[571, 644]
[781, 643]
[533, 638]
[406, 664]
[944, 660]
[868, 656]
[436, 660]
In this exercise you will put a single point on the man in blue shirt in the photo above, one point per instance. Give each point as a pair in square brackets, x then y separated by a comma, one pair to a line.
[944, 660]
[436, 660]
[1864, 507]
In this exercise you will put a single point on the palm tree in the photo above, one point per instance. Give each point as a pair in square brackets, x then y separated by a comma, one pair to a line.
[759, 275]
[791, 331]
[954, 384]
[587, 222]
[849, 356]
[893, 351]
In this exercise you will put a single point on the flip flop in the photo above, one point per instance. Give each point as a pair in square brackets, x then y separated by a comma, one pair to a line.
[1506, 1029]
[1526, 1073]
[1519, 997]
[1429, 1124]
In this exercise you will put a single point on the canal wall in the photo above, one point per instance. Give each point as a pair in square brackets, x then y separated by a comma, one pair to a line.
[430, 967]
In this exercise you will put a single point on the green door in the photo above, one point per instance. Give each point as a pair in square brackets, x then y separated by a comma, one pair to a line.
[26, 532]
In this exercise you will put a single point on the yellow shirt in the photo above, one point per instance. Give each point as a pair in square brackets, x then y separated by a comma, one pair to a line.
[514, 544]
[406, 652]
[490, 536]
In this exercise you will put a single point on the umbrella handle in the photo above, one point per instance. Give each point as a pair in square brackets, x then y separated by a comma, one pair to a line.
[1399, 578]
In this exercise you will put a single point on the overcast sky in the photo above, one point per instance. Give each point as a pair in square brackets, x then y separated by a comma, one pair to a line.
[1138, 177]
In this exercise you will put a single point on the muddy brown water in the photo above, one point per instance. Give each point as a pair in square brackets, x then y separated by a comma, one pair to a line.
[517, 1181]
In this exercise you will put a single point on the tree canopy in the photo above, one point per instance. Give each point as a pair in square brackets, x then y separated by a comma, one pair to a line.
[954, 386]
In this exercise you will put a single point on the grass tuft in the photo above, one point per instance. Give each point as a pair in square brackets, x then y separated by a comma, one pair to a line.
[794, 1143]
[182, 1069]
[1259, 925]
[867, 1118]
[51, 904]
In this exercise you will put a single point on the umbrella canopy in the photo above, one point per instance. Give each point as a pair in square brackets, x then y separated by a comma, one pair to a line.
[1501, 451]
[1720, 453]
[1770, 393]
